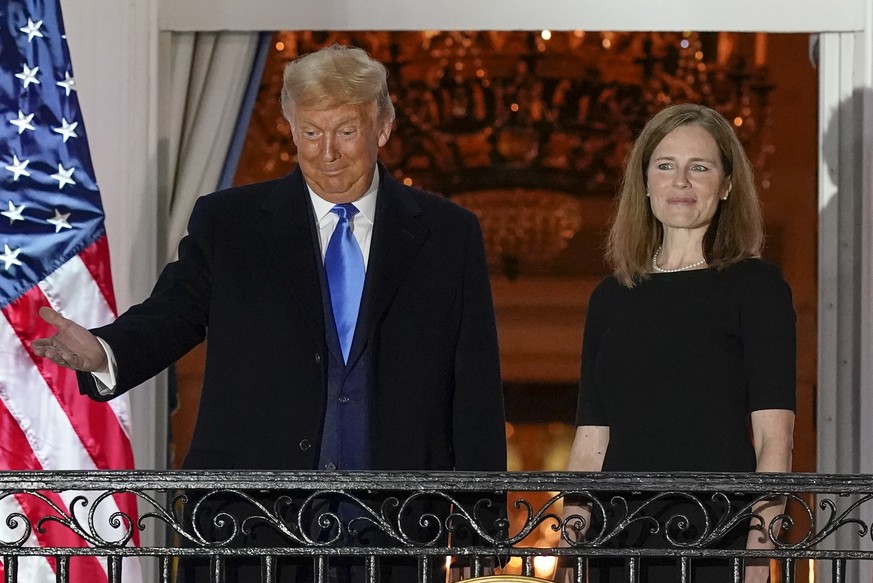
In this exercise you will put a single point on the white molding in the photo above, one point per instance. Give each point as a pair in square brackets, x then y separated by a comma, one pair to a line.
[835, 164]
[118, 94]
[739, 15]
[865, 80]
[845, 394]
[113, 47]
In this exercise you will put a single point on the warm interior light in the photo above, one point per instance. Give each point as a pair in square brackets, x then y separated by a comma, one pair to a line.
[514, 565]
[544, 567]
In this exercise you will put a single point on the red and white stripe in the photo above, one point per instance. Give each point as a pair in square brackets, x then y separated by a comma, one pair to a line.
[45, 424]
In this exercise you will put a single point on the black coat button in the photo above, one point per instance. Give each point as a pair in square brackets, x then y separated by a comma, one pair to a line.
[317, 358]
[305, 444]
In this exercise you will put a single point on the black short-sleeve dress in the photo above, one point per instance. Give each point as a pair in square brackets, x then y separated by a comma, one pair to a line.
[675, 365]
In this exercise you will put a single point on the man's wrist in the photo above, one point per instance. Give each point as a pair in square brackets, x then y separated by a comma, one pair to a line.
[106, 379]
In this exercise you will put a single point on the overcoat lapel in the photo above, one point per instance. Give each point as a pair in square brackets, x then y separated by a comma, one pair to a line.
[397, 237]
[288, 227]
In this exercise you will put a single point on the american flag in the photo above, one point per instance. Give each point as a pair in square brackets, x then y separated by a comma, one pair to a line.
[53, 252]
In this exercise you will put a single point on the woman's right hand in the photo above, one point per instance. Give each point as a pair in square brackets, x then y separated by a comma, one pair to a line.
[586, 455]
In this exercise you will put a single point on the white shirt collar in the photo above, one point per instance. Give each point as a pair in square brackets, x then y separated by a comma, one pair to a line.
[366, 205]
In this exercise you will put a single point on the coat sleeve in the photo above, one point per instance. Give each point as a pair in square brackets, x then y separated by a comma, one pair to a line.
[150, 336]
[479, 430]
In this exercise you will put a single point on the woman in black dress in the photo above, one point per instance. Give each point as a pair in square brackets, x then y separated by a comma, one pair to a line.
[691, 342]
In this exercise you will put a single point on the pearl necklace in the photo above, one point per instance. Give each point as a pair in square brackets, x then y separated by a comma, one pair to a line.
[683, 268]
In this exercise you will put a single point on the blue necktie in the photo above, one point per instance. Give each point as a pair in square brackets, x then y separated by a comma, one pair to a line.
[344, 265]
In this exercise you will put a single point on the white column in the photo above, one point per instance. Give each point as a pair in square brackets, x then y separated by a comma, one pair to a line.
[845, 392]
[114, 46]
[114, 52]
[864, 87]
[865, 83]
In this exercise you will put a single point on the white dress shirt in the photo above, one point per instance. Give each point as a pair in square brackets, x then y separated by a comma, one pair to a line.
[361, 223]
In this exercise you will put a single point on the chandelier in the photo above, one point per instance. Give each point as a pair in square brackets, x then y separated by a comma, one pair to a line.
[522, 127]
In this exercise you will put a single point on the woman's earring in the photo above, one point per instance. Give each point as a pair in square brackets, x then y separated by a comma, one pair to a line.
[648, 194]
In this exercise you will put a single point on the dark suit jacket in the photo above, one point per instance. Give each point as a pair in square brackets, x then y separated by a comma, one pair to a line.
[248, 273]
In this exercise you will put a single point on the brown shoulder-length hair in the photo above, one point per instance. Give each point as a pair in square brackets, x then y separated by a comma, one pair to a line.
[736, 231]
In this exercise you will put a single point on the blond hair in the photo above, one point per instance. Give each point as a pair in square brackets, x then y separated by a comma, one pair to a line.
[333, 76]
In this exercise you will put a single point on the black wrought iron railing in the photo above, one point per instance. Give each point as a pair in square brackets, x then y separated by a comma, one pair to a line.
[437, 525]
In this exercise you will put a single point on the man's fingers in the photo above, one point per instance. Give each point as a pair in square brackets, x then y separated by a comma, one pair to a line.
[47, 350]
[40, 345]
[52, 317]
[59, 355]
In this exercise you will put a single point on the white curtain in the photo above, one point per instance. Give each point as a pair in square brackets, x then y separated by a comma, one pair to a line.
[208, 75]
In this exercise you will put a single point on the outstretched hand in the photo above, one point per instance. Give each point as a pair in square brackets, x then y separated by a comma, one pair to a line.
[72, 346]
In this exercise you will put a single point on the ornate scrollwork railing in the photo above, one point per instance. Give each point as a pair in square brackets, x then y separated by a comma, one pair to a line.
[316, 517]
